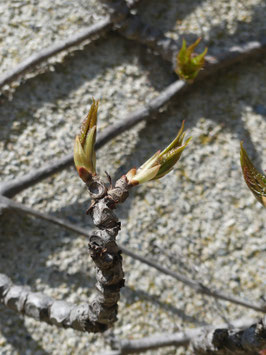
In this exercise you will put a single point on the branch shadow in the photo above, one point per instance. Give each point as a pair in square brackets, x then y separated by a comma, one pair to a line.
[54, 87]
[132, 296]
[21, 339]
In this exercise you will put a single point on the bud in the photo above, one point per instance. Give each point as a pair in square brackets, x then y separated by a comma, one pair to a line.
[161, 163]
[256, 181]
[84, 153]
[188, 63]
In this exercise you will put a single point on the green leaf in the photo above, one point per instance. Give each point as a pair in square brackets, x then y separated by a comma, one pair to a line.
[189, 64]
[89, 122]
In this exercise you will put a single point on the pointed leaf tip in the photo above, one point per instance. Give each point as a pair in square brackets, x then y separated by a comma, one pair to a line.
[188, 63]
[161, 163]
[255, 181]
[84, 151]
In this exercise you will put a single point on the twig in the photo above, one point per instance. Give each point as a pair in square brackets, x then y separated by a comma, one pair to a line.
[101, 313]
[234, 55]
[197, 286]
[224, 342]
[181, 338]
[95, 30]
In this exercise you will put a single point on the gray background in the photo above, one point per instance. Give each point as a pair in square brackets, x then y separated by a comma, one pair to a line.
[202, 214]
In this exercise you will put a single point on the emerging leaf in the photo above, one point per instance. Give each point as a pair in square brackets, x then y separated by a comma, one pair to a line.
[188, 63]
[161, 163]
[84, 152]
[256, 181]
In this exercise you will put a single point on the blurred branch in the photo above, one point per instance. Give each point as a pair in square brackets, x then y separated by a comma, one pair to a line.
[181, 338]
[95, 30]
[197, 286]
[133, 28]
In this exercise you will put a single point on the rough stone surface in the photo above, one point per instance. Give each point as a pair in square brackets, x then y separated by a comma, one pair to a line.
[202, 214]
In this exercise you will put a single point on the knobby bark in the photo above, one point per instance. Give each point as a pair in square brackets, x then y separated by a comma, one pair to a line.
[101, 313]
[197, 286]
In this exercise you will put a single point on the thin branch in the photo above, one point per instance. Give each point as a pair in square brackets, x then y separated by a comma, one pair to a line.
[132, 27]
[234, 55]
[181, 338]
[93, 31]
[224, 342]
[11, 188]
[197, 286]
[28, 64]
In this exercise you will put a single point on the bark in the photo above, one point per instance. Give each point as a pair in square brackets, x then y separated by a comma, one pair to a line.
[194, 284]
[232, 341]
[182, 338]
[106, 254]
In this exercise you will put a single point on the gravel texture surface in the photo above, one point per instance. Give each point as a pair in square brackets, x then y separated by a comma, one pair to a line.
[200, 220]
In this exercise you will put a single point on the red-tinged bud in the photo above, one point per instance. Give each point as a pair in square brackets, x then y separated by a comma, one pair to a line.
[84, 152]
[161, 163]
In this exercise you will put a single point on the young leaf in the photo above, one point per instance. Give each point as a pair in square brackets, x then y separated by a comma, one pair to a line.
[84, 152]
[161, 163]
[188, 63]
[255, 181]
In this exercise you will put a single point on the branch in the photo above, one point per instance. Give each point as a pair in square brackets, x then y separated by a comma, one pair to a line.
[11, 188]
[197, 286]
[224, 342]
[45, 308]
[36, 58]
[181, 338]
[102, 311]
[234, 55]
[93, 31]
